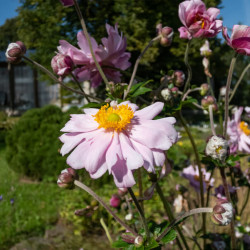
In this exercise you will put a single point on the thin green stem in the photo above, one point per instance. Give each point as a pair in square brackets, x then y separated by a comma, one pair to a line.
[246, 202]
[188, 92]
[229, 80]
[99, 199]
[137, 64]
[106, 230]
[209, 81]
[141, 213]
[181, 217]
[224, 180]
[171, 216]
[89, 43]
[188, 67]
[239, 81]
[198, 162]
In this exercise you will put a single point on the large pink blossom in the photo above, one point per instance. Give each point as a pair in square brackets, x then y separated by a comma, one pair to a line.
[110, 54]
[197, 21]
[240, 39]
[118, 139]
[239, 133]
[192, 174]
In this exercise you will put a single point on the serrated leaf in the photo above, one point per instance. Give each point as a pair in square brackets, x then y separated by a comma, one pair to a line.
[169, 237]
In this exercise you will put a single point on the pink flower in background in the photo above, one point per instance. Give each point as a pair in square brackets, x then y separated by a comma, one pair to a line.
[67, 2]
[118, 139]
[197, 21]
[110, 54]
[240, 39]
[220, 191]
[192, 174]
[239, 133]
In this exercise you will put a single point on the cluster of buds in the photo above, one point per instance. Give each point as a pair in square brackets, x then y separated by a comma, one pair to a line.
[207, 101]
[61, 64]
[66, 178]
[137, 241]
[166, 34]
[178, 78]
[217, 148]
[222, 212]
[204, 89]
[15, 51]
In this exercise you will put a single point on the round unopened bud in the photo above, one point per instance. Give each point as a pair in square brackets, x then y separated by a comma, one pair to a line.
[122, 191]
[61, 64]
[129, 216]
[204, 89]
[175, 91]
[209, 100]
[66, 178]
[167, 94]
[166, 34]
[115, 201]
[217, 148]
[222, 212]
[223, 91]
[178, 78]
[138, 241]
[15, 51]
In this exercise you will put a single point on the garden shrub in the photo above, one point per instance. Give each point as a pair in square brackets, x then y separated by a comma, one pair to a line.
[33, 145]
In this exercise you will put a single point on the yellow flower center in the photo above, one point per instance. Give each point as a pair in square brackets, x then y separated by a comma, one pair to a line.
[217, 150]
[115, 118]
[244, 127]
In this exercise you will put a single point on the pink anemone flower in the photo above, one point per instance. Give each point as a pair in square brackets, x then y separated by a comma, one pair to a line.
[118, 138]
[110, 54]
[192, 174]
[197, 21]
[239, 133]
[240, 39]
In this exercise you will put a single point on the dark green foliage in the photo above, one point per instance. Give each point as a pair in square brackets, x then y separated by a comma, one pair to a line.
[33, 144]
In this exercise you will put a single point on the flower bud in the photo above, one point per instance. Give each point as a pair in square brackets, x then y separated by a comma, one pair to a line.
[67, 3]
[122, 191]
[223, 91]
[209, 100]
[66, 178]
[205, 50]
[175, 91]
[138, 241]
[128, 238]
[61, 64]
[178, 78]
[222, 212]
[115, 201]
[167, 94]
[129, 216]
[166, 34]
[204, 89]
[205, 62]
[15, 51]
[217, 148]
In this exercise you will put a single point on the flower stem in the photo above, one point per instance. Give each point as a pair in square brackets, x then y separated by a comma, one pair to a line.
[99, 199]
[224, 180]
[188, 67]
[89, 43]
[171, 216]
[54, 78]
[229, 80]
[209, 81]
[137, 64]
[140, 187]
[239, 81]
[188, 92]
[139, 209]
[106, 230]
[181, 217]
[211, 117]
[183, 122]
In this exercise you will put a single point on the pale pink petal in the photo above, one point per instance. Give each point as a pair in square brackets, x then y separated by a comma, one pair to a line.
[213, 13]
[159, 157]
[237, 114]
[240, 31]
[133, 106]
[225, 35]
[90, 111]
[150, 112]
[133, 159]
[83, 43]
[184, 33]
[100, 171]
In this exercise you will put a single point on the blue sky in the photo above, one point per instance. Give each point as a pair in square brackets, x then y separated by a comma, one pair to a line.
[234, 11]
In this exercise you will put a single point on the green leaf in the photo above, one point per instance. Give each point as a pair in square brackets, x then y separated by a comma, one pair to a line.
[120, 244]
[140, 91]
[231, 160]
[169, 237]
[136, 87]
[151, 244]
[93, 105]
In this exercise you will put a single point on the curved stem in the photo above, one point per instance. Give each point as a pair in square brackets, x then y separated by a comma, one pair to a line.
[137, 64]
[188, 92]
[224, 180]
[95, 196]
[106, 230]
[89, 43]
[246, 201]
[239, 81]
[139, 209]
[53, 77]
[229, 80]
[170, 215]
[185, 215]
[199, 168]
[211, 117]
[188, 67]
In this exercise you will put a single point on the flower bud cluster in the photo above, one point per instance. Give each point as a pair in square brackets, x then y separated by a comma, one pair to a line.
[222, 212]
[166, 34]
[66, 178]
[207, 101]
[15, 51]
